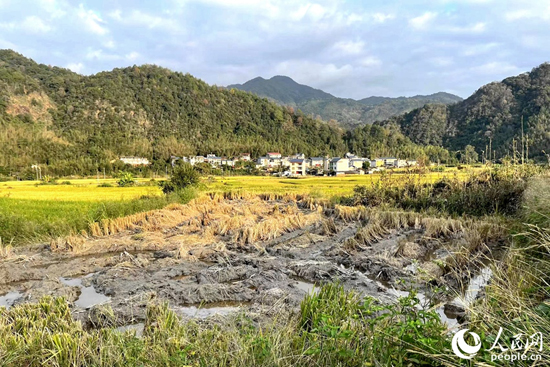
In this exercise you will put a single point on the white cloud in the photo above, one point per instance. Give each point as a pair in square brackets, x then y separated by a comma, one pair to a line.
[479, 49]
[92, 21]
[132, 56]
[109, 44]
[349, 47]
[370, 61]
[422, 21]
[142, 19]
[441, 61]
[76, 67]
[35, 25]
[10, 26]
[473, 28]
[101, 56]
[533, 12]
[496, 68]
[313, 73]
[382, 18]
[53, 8]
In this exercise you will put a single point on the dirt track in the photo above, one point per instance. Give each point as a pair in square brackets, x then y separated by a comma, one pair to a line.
[202, 266]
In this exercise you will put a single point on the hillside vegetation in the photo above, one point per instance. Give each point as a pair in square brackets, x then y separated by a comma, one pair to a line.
[75, 124]
[490, 120]
[347, 112]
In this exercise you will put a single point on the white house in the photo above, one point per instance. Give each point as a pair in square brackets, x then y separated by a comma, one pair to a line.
[273, 155]
[339, 165]
[319, 163]
[298, 166]
[135, 161]
[389, 161]
[357, 163]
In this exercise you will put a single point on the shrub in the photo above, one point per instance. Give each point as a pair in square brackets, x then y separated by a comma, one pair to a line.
[184, 176]
[125, 179]
[496, 191]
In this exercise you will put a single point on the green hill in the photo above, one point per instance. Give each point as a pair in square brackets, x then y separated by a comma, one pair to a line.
[348, 113]
[490, 119]
[77, 124]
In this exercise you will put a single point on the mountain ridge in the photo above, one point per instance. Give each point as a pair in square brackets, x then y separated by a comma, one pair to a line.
[348, 112]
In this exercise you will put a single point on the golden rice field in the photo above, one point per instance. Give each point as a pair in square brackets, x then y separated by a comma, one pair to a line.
[321, 186]
[78, 190]
[30, 211]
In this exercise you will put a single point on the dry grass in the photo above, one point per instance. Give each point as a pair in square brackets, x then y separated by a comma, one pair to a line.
[233, 217]
[6, 251]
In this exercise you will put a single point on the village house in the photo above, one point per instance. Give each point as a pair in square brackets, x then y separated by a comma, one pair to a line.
[321, 163]
[274, 155]
[377, 162]
[400, 163]
[135, 161]
[357, 163]
[244, 157]
[339, 165]
[389, 161]
[298, 166]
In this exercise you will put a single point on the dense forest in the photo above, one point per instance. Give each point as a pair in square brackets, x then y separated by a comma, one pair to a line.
[74, 124]
[348, 113]
[496, 119]
[77, 125]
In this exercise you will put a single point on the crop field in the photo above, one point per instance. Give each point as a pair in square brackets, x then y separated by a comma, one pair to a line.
[319, 186]
[31, 212]
[82, 190]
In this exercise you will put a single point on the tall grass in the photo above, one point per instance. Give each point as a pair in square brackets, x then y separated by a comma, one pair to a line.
[333, 328]
[497, 191]
[27, 221]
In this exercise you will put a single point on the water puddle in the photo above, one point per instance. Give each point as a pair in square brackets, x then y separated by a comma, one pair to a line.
[89, 297]
[210, 309]
[185, 278]
[446, 317]
[137, 328]
[10, 298]
[477, 283]
[307, 287]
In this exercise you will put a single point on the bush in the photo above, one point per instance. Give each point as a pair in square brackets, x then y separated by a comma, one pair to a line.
[125, 179]
[487, 193]
[184, 176]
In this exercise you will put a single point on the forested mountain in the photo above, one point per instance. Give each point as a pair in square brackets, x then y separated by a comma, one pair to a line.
[75, 124]
[283, 90]
[347, 112]
[491, 119]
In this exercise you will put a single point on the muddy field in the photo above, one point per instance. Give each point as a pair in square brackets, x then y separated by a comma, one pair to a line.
[217, 256]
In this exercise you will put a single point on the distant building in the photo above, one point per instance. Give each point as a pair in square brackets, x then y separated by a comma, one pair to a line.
[339, 165]
[357, 163]
[135, 161]
[298, 166]
[400, 163]
[245, 157]
[274, 155]
[389, 161]
[377, 162]
[319, 163]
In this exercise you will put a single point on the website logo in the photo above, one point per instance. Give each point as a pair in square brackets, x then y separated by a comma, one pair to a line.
[463, 349]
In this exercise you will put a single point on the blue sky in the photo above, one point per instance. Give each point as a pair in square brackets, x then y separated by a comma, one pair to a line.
[348, 48]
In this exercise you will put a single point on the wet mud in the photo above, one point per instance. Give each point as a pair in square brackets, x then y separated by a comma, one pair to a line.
[260, 278]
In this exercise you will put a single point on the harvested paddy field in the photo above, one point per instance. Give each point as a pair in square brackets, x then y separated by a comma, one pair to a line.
[258, 255]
